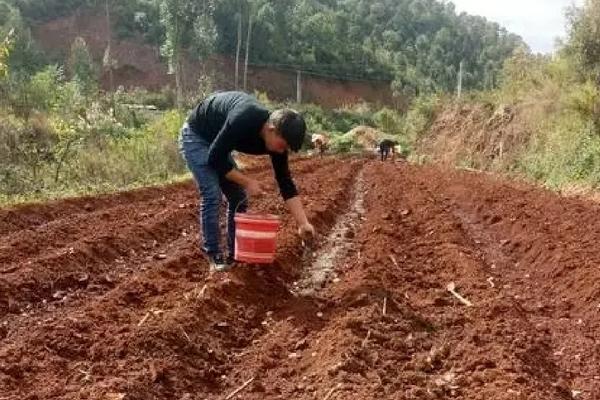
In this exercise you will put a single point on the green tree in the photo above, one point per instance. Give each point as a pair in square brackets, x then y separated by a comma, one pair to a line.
[584, 36]
[39, 93]
[24, 57]
[82, 67]
[417, 43]
[188, 25]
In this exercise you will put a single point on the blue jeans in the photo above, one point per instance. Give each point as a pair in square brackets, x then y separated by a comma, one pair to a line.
[211, 187]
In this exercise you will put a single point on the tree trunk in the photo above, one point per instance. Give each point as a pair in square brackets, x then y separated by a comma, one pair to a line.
[460, 80]
[237, 53]
[178, 89]
[298, 87]
[109, 39]
[248, 49]
[177, 65]
[111, 84]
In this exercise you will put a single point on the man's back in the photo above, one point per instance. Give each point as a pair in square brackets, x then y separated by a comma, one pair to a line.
[211, 114]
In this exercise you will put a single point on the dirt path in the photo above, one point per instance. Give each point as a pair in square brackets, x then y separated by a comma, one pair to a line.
[109, 298]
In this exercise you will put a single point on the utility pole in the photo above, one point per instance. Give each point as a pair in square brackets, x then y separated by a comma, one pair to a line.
[108, 57]
[299, 87]
[460, 79]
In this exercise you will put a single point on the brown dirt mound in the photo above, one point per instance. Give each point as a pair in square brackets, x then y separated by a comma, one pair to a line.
[366, 136]
[133, 314]
[477, 136]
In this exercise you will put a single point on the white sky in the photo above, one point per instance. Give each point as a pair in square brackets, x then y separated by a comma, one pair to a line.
[538, 22]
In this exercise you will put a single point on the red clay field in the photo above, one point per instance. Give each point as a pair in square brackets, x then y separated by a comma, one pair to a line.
[424, 284]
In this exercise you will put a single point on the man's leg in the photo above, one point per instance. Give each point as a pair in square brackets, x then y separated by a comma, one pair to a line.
[237, 201]
[195, 153]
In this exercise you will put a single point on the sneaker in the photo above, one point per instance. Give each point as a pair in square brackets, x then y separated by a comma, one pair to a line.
[219, 264]
[230, 260]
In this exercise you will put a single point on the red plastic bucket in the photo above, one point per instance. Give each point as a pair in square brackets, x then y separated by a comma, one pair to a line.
[256, 238]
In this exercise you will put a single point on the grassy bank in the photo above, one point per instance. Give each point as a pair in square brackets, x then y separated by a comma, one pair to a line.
[542, 124]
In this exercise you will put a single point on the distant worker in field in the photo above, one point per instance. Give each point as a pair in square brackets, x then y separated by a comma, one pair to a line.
[385, 147]
[320, 142]
[229, 121]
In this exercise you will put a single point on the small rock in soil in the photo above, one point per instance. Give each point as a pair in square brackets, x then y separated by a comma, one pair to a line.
[222, 325]
[495, 219]
[334, 369]
[301, 344]
[59, 295]
[115, 396]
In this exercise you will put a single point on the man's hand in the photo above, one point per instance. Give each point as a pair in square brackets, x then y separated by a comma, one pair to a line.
[306, 231]
[253, 187]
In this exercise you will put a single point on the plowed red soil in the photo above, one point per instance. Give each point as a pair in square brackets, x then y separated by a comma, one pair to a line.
[110, 298]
